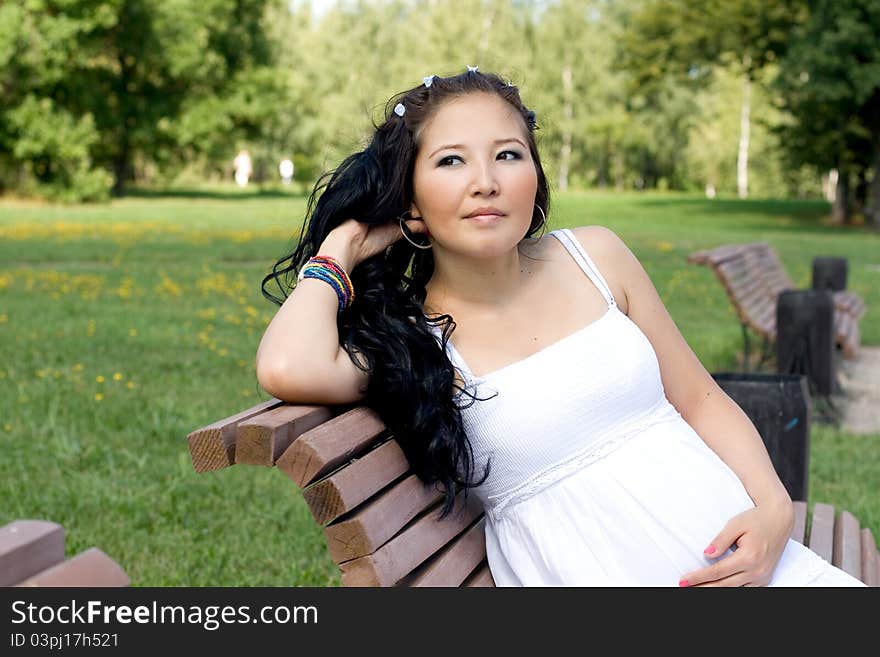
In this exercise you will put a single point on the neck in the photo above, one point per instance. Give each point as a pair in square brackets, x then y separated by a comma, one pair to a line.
[476, 285]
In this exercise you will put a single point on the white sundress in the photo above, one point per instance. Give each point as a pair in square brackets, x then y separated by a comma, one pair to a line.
[596, 478]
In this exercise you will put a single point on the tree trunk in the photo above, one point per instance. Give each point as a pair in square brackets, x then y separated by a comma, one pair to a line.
[873, 212]
[568, 114]
[860, 194]
[742, 158]
[488, 20]
[840, 209]
[120, 169]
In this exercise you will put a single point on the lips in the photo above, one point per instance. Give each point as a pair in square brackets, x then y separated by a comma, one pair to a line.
[485, 212]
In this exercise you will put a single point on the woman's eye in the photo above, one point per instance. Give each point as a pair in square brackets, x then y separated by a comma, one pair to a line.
[448, 158]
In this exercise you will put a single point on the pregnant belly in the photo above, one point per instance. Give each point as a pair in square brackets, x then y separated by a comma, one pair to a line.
[642, 515]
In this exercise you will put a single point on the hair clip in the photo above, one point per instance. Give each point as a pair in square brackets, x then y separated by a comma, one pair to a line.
[399, 109]
[472, 69]
[428, 80]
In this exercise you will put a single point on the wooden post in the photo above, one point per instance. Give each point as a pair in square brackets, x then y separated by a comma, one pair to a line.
[779, 407]
[829, 273]
[805, 337]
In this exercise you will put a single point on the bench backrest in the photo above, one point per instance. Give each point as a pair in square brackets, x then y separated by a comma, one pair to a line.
[752, 277]
[380, 522]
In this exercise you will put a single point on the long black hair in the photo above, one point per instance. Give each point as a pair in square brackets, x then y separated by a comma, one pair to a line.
[411, 380]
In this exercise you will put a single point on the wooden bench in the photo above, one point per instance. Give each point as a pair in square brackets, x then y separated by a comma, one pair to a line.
[753, 277]
[380, 522]
[32, 554]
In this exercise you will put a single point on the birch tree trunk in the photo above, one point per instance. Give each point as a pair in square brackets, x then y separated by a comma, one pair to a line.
[742, 158]
[486, 30]
[568, 114]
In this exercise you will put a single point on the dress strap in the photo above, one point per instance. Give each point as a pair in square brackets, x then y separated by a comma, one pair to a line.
[574, 248]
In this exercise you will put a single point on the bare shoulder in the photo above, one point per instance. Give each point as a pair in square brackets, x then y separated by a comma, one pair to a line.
[599, 239]
[611, 255]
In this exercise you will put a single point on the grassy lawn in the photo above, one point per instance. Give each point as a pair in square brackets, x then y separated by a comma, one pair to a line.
[125, 326]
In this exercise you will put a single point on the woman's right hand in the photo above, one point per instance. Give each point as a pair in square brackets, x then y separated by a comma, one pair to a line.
[353, 241]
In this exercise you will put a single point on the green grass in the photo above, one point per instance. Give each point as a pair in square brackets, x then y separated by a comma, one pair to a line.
[158, 296]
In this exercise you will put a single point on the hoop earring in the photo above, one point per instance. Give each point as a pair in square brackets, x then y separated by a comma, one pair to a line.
[403, 232]
[542, 212]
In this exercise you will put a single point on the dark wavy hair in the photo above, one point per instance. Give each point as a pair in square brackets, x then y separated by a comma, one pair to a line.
[411, 379]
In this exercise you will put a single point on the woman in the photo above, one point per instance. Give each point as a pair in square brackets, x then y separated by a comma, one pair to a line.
[601, 449]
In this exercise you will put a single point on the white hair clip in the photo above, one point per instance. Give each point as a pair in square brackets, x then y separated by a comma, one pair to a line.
[472, 69]
[428, 80]
[399, 109]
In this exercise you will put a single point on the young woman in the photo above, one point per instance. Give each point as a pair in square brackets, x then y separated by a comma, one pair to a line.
[565, 397]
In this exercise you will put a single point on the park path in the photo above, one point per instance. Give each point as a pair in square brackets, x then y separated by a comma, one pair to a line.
[860, 380]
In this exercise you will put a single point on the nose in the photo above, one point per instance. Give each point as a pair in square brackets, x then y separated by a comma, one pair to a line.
[484, 182]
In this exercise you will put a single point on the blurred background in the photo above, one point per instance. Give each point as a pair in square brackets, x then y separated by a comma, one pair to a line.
[156, 157]
[757, 99]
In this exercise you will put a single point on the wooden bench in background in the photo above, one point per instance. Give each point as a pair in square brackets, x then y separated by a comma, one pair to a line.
[753, 277]
[380, 522]
[32, 554]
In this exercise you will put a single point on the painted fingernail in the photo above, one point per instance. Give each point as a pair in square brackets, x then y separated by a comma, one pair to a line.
[683, 583]
[709, 550]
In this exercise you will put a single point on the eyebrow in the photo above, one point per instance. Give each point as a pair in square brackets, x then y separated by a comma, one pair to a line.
[494, 143]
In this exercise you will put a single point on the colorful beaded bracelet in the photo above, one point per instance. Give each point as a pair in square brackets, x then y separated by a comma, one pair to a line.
[328, 269]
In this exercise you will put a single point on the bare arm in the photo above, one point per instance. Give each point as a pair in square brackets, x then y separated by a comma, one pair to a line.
[299, 358]
[719, 421]
[762, 532]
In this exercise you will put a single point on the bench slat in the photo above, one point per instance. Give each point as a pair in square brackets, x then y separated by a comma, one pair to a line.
[452, 565]
[481, 577]
[822, 530]
[324, 448]
[28, 547]
[847, 551]
[213, 447]
[261, 439]
[399, 556]
[379, 519]
[800, 521]
[870, 576]
[89, 568]
[342, 491]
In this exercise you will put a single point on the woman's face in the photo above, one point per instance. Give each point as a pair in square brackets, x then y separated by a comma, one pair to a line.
[473, 154]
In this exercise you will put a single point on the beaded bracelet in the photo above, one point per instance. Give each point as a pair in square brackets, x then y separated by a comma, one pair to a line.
[328, 269]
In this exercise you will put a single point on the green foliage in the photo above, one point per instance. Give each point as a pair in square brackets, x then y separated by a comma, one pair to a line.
[830, 83]
[54, 148]
[629, 94]
[140, 80]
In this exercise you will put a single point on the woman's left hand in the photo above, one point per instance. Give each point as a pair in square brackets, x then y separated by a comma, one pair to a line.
[760, 535]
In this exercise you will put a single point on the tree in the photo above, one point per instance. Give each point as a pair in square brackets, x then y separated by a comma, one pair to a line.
[829, 82]
[127, 71]
[686, 38]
